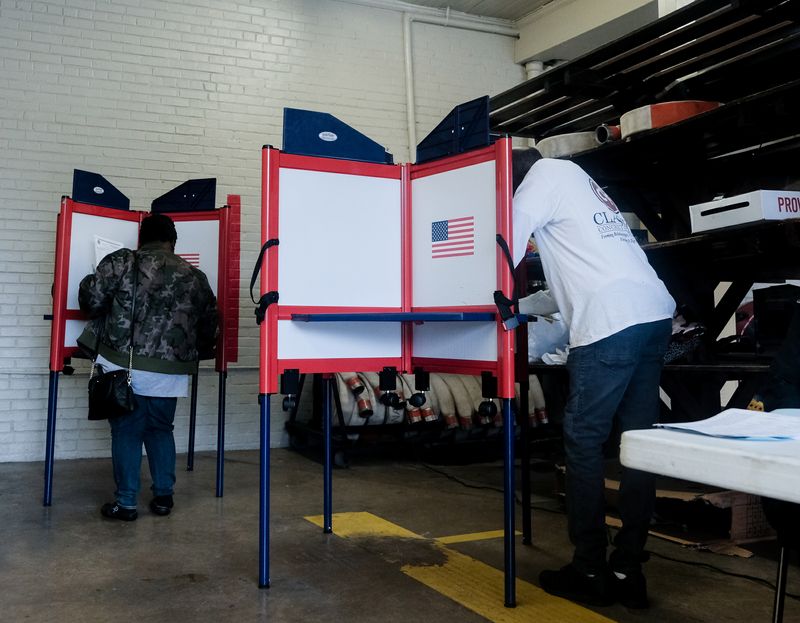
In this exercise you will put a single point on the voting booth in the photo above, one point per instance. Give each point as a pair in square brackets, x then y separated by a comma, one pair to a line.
[101, 223]
[417, 263]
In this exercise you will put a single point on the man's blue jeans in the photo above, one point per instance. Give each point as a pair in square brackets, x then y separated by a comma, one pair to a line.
[151, 424]
[615, 377]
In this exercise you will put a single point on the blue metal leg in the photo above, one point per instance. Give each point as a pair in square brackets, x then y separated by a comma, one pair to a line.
[508, 506]
[525, 462]
[221, 434]
[263, 509]
[780, 585]
[52, 402]
[328, 468]
[192, 425]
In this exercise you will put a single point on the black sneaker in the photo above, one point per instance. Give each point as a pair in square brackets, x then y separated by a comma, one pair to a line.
[161, 505]
[112, 510]
[631, 591]
[572, 584]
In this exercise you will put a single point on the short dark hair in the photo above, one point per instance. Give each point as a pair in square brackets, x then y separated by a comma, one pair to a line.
[157, 228]
[521, 162]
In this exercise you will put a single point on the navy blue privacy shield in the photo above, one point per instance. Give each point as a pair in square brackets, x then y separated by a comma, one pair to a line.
[94, 189]
[310, 133]
[465, 127]
[191, 196]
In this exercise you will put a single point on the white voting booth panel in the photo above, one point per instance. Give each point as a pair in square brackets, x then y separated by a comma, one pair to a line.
[454, 270]
[339, 240]
[454, 260]
[341, 340]
[339, 226]
[82, 246]
[465, 341]
[198, 244]
[87, 233]
[82, 261]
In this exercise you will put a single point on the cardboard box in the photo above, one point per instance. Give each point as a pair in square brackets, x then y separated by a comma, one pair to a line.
[759, 205]
[693, 514]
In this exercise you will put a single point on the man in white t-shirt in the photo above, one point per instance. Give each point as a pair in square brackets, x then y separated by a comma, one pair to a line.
[619, 316]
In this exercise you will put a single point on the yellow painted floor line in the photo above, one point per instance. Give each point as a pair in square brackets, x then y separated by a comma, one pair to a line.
[469, 582]
[475, 536]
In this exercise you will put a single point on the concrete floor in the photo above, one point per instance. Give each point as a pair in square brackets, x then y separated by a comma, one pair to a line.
[65, 563]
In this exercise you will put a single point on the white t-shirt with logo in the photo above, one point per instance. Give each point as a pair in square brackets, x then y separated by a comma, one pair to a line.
[595, 270]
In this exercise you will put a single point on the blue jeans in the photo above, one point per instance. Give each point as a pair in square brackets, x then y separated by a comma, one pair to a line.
[614, 378]
[150, 424]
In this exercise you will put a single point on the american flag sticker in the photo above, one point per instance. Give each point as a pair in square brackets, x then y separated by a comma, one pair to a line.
[192, 258]
[453, 238]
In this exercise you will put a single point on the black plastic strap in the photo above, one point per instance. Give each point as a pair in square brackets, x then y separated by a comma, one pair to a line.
[272, 242]
[265, 301]
[504, 308]
[502, 302]
[501, 242]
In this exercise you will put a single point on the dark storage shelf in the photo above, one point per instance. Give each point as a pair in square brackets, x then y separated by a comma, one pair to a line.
[743, 54]
[762, 252]
[711, 49]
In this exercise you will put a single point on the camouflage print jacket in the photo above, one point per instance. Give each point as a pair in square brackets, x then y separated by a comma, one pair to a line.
[176, 311]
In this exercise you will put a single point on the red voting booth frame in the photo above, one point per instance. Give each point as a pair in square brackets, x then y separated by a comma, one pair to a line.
[229, 217]
[271, 365]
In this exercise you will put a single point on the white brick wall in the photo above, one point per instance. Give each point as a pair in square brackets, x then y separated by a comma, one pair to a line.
[150, 93]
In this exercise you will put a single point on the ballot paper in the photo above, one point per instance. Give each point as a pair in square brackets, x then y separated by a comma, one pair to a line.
[102, 247]
[746, 425]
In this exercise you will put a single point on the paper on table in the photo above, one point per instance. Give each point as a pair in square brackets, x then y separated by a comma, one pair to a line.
[743, 424]
[102, 247]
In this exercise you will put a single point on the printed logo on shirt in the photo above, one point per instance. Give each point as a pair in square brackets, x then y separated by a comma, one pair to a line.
[602, 196]
[611, 225]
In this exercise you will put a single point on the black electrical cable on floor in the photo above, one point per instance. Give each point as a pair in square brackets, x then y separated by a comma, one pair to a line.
[705, 565]
[468, 485]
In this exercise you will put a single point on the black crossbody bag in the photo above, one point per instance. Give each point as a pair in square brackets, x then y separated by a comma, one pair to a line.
[110, 393]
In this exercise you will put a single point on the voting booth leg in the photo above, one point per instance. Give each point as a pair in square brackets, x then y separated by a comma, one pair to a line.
[52, 401]
[508, 506]
[192, 425]
[328, 459]
[221, 434]
[525, 463]
[780, 585]
[263, 507]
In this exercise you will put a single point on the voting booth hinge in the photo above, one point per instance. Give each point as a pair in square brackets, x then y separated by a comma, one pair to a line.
[503, 303]
[387, 386]
[422, 384]
[290, 387]
[487, 408]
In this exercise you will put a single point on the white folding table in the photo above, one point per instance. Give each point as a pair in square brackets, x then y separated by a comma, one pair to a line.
[766, 468]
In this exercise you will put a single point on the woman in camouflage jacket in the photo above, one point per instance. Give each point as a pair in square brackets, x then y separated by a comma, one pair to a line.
[175, 325]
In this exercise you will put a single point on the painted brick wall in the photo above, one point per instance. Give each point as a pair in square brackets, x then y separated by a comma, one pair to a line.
[150, 93]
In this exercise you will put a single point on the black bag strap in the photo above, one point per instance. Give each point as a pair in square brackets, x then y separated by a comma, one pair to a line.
[270, 297]
[502, 302]
[133, 321]
[133, 312]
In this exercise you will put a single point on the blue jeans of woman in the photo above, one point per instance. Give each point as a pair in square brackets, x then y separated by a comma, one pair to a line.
[616, 378]
[151, 424]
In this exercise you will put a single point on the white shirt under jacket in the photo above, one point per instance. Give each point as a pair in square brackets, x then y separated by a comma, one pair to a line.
[596, 272]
